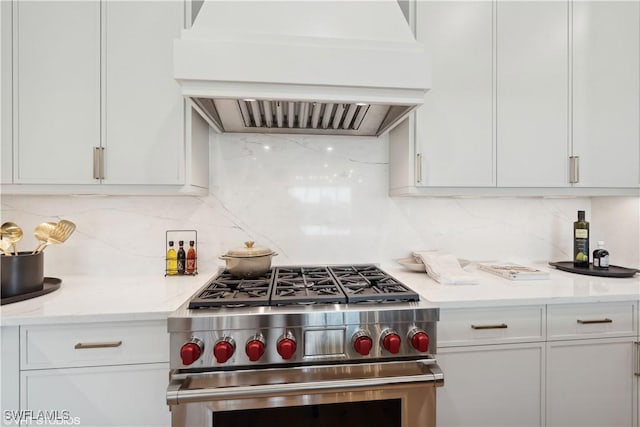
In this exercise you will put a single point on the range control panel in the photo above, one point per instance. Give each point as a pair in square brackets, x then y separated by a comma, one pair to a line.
[281, 345]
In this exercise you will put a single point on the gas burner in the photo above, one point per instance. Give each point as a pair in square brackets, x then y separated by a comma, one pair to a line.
[367, 284]
[305, 286]
[228, 291]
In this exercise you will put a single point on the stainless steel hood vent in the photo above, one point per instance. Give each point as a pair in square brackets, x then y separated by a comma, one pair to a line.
[302, 67]
[269, 116]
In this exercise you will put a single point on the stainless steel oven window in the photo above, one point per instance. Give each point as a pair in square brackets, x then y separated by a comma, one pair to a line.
[386, 413]
[311, 393]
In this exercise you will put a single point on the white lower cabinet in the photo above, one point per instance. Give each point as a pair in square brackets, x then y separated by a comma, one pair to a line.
[591, 383]
[127, 395]
[493, 364]
[497, 385]
[554, 365]
[97, 374]
[592, 364]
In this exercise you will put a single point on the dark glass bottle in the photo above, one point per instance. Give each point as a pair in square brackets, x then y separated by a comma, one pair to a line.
[601, 257]
[581, 242]
[191, 258]
[181, 257]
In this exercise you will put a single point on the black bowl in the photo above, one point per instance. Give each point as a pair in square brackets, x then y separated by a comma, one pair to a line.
[22, 273]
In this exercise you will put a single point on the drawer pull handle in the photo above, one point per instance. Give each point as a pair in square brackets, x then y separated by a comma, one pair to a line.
[497, 326]
[589, 322]
[637, 344]
[82, 345]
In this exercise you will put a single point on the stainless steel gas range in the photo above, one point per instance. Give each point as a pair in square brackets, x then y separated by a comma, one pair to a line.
[320, 345]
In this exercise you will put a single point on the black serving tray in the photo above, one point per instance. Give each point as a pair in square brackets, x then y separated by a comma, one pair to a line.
[612, 271]
[50, 284]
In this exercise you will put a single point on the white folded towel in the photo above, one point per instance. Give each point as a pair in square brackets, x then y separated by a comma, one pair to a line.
[445, 268]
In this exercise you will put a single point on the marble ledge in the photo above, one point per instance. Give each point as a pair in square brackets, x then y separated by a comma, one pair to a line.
[86, 299]
[494, 291]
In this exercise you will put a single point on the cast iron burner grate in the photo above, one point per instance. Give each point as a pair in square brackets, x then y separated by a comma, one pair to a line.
[305, 286]
[226, 290]
[367, 283]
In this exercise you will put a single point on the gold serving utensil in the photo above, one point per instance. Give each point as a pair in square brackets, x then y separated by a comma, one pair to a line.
[59, 234]
[11, 232]
[42, 233]
[5, 246]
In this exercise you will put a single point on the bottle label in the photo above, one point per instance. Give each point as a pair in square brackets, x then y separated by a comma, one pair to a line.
[582, 233]
[581, 251]
[604, 261]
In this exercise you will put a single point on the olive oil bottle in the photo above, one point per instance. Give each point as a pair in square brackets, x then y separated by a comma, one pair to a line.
[172, 260]
[581, 242]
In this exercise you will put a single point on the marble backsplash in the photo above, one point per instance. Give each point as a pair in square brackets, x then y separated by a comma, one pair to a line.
[314, 200]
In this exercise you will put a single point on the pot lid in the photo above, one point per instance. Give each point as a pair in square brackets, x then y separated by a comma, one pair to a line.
[249, 251]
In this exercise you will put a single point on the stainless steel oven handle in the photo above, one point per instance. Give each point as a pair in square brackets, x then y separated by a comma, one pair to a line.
[175, 395]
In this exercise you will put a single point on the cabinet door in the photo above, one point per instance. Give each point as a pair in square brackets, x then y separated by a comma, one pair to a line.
[532, 94]
[6, 93]
[128, 395]
[606, 92]
[500, 385]
[10, 365]
[144, 110]
[57, 91]
[591, 383]
[454, 127]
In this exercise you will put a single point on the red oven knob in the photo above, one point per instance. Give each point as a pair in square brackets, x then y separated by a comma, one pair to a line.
[223, 350]
[286, 346]
[191, 351]
[254, 349]
[391, 341]
[419, 340]
[362, 343]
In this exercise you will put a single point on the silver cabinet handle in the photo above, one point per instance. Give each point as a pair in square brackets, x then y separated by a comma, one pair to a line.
[101, 162]
[496, 326]
[96, 162]
[111, 344]
[637, 344]
[589, 322]
[574, 169]
[419, 167]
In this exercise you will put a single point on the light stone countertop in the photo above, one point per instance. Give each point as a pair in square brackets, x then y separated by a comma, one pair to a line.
[491, 290]
[85, 299]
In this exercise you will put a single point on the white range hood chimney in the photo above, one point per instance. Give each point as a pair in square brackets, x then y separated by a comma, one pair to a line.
[302, 66]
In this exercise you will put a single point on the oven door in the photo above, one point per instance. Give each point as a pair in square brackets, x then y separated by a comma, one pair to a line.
[393, 394]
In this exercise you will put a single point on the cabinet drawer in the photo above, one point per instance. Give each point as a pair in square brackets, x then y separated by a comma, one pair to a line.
[117, 343]
[591, 320]
[490, 325]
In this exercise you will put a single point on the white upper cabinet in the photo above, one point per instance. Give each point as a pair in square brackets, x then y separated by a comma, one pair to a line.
[56, 70]
[454, 131]
[527, 98]
[95, 102]
[606, 93]
[144, 110]
[532, 93]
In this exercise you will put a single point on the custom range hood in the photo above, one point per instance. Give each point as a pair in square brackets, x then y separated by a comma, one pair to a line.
[302, 66]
